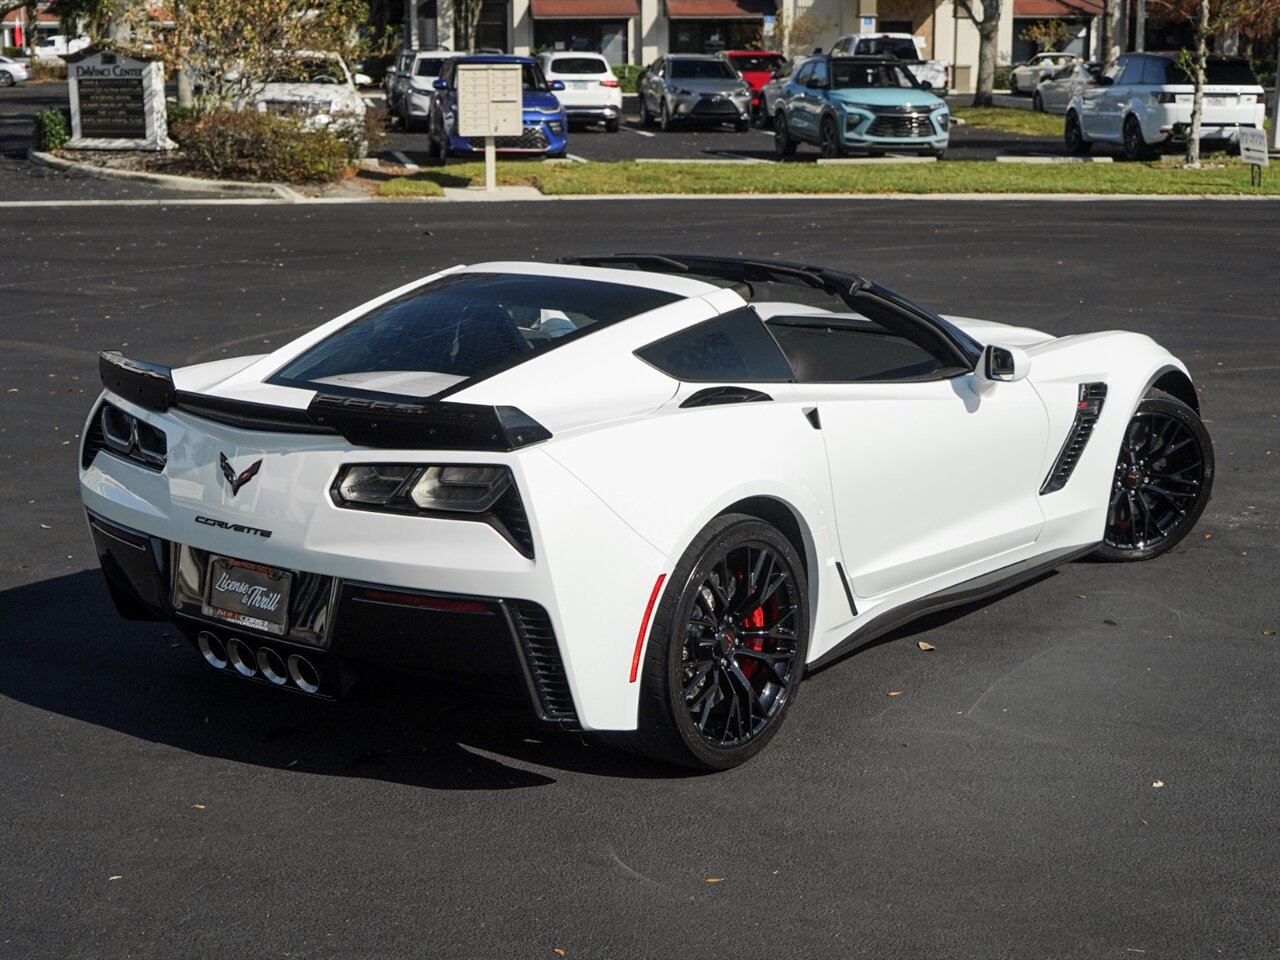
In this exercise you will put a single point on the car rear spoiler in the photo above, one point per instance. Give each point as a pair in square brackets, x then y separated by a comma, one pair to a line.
[381, 420]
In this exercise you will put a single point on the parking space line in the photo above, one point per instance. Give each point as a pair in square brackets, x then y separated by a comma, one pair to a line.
[404, 160]
[741, 157]
[638, 133]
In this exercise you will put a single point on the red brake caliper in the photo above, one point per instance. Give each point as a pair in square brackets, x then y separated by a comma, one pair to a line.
[754, 621]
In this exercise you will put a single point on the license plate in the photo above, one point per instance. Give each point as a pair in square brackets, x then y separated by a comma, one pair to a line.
[248, 595]
[1216, 101]
[578, 85]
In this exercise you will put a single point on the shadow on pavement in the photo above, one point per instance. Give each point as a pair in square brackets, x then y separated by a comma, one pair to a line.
[65, 651]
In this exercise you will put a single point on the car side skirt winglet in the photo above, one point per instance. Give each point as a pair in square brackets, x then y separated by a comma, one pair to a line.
[401, 424]
[970, 591]
[147, 384]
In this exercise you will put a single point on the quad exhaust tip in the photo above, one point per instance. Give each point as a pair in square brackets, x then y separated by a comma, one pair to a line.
[265, 662]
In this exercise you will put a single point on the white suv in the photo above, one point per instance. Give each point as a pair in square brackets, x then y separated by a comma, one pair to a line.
[1143, 102]
[591, 91]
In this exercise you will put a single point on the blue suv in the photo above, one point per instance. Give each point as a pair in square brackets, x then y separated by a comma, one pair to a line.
[869, 104]
[545, 127]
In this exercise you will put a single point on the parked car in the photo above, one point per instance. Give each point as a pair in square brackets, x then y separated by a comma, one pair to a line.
[314, 85]
[1143, 102]
[433, 483]
[869, 104]
[756, 67]
[390, 81]
[1025, 76]
[770, 91]
[691, 87]
[546, 127]
[13, 71]
[904, 47]
[1055, 91]
[414, 86]
[58, 45]
[592, 93]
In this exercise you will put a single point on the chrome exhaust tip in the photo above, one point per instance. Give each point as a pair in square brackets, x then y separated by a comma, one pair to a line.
[240, 654]
[272, 666]
[212, 649]
[304, 674]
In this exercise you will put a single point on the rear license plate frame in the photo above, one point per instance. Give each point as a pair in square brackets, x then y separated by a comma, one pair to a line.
[247, 594]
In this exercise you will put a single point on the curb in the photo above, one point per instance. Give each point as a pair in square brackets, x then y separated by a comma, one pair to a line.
[274, 191]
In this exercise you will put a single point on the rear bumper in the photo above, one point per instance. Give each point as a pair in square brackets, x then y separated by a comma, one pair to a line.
[336, 628]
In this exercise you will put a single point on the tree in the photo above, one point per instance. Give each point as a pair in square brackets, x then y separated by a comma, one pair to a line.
[1048, 35]
[88, 16]
[231, 47]
[796, 36]
[466, 23]
[987, 27]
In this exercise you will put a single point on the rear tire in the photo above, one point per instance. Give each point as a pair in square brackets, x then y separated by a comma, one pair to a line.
[646, 118]
[665, 120]
[727, 648]
[1163, 481]
[783, 145]
[1135, 146]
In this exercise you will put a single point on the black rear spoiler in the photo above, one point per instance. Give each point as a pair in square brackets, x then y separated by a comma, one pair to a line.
[385, 421]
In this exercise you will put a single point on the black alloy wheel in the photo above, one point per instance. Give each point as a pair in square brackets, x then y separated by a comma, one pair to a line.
[783, 145]
[646, 118]
[1135, 147]
[1073, 135]
[1163, 480]
[727, 648]
[829, 139]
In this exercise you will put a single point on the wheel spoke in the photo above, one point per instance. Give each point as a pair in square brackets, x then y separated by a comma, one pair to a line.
[695, 682]
[770, 661]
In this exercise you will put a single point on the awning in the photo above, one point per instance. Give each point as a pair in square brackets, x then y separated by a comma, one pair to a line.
[584, 9]
[721, 9]
[1057, 8]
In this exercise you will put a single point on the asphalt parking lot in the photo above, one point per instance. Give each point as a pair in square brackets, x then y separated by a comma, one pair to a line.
[1085, 767]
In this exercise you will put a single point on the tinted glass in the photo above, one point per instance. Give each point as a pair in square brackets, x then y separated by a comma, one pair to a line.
[852, 75]
[464, 326]
[701, 70]
[755, 62]
[735, 347]
[1230, 72]
[805, 73]
[532, 77]
[429, 67]
[822, 73]
[306, 71]
[1132, 74]
[899, 49]
[589, 65]
[850, 349]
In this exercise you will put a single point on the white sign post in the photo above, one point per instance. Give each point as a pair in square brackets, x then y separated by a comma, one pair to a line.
[1253, 151]
[490, 105]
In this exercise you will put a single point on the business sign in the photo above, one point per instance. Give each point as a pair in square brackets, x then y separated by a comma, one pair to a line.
[117, 102]
[490, 99]
[1253, 146]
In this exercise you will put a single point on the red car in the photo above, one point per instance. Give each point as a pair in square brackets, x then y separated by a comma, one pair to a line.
[756, 67]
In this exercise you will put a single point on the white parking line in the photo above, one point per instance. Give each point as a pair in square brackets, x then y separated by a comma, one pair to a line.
[404, 160]
[576, 159]
[639, 133]
[739, 157]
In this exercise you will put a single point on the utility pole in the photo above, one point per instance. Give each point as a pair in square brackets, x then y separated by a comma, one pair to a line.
[1275, 106]
[1140, 25]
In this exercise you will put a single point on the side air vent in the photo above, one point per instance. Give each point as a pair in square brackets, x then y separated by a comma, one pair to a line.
[1088, 409]
[93, 439]
[542, 656]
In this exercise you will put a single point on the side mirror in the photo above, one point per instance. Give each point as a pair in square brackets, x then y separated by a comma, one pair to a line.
[926, 85]
[440, 83]
[815, 83]
[1003, 364]
[555, 85]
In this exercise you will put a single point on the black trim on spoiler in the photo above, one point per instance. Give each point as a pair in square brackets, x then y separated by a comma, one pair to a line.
[389, 422]
[398, 424]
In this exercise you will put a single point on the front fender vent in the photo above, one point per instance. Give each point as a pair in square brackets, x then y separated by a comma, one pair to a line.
[1088, 409]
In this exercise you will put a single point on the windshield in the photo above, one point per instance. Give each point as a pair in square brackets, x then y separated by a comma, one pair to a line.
[755, 62]
[463, 326]
[899, 48]
[428, 67]
[701, 70]
[589, 65]
[307, 71]
[857, 75]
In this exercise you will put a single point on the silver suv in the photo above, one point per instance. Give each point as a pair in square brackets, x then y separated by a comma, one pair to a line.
[1143, 102]
[685, 87]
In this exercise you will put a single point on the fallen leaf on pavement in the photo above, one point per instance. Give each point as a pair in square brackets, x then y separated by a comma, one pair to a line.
[1268, 633]
[45, 526]
[116, 877]
[1157, 784]
[925, 645]
[198, 806]
[1208, 536]
[558, 951]
[1082, 596]
[713, 879]
[895, 693]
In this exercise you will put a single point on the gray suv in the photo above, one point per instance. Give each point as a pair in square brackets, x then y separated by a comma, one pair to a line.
[688, 87]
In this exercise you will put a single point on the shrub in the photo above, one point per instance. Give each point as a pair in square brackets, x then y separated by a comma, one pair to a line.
[259, 146]
[51, 128]
[1002, 77]
[359, 135]
[174, 115]
[627, 74]
[43, 68]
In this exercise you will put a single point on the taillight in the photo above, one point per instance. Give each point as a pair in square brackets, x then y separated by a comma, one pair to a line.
[1166, 98]
[1260, 98]
[608, 83]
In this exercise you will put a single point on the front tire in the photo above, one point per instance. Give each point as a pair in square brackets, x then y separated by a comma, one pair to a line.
[611, 125]
[1073, 136]
[783, 145]
[829, 139]
[727, 648]
[1163, 481]
[664, 119]
[1037, 103]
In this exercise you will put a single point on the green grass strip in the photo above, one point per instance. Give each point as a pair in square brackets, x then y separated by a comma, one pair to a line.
[1009, 120]
[976, 177]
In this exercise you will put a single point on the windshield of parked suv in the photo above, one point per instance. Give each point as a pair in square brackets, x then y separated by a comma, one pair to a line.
[899, 48]
[856, 75]
[701, 70]
[306, 71]
[463, 326]
[755, 62]
[1232, 72]
[591, 65]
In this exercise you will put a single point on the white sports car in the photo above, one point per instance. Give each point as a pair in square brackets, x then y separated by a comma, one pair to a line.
[649, 490]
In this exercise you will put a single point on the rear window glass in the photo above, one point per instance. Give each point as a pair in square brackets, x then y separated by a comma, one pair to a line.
[701, 70]
[590, 65]
[854, 75]
[733, 347]
[1232, 72]
[757, 62]
[428, 67]
[899, 48]
[461, 327]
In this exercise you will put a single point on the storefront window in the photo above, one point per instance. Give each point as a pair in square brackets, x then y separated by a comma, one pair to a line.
[606, 37]
[712, 36]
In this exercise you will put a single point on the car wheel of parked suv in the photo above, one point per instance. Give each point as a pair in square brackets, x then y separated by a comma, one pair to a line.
[646, 118]
[611, 126]
[783, 145]
[829, 139]
[1135, 147]
[1073, 136]
[665, 121]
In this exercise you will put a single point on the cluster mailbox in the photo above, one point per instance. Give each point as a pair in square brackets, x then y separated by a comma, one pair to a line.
[490, 105]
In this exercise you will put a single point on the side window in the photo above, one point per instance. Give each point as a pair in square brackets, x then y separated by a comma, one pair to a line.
[822, 73]
[1153, 72]
[803, 76]
[1132, 75]
[841, 46]
[734, 347]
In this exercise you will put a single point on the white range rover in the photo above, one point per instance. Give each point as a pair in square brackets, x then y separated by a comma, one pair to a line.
[1143, 102]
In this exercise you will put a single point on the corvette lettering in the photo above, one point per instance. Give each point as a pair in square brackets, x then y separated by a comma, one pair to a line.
[233, 527]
